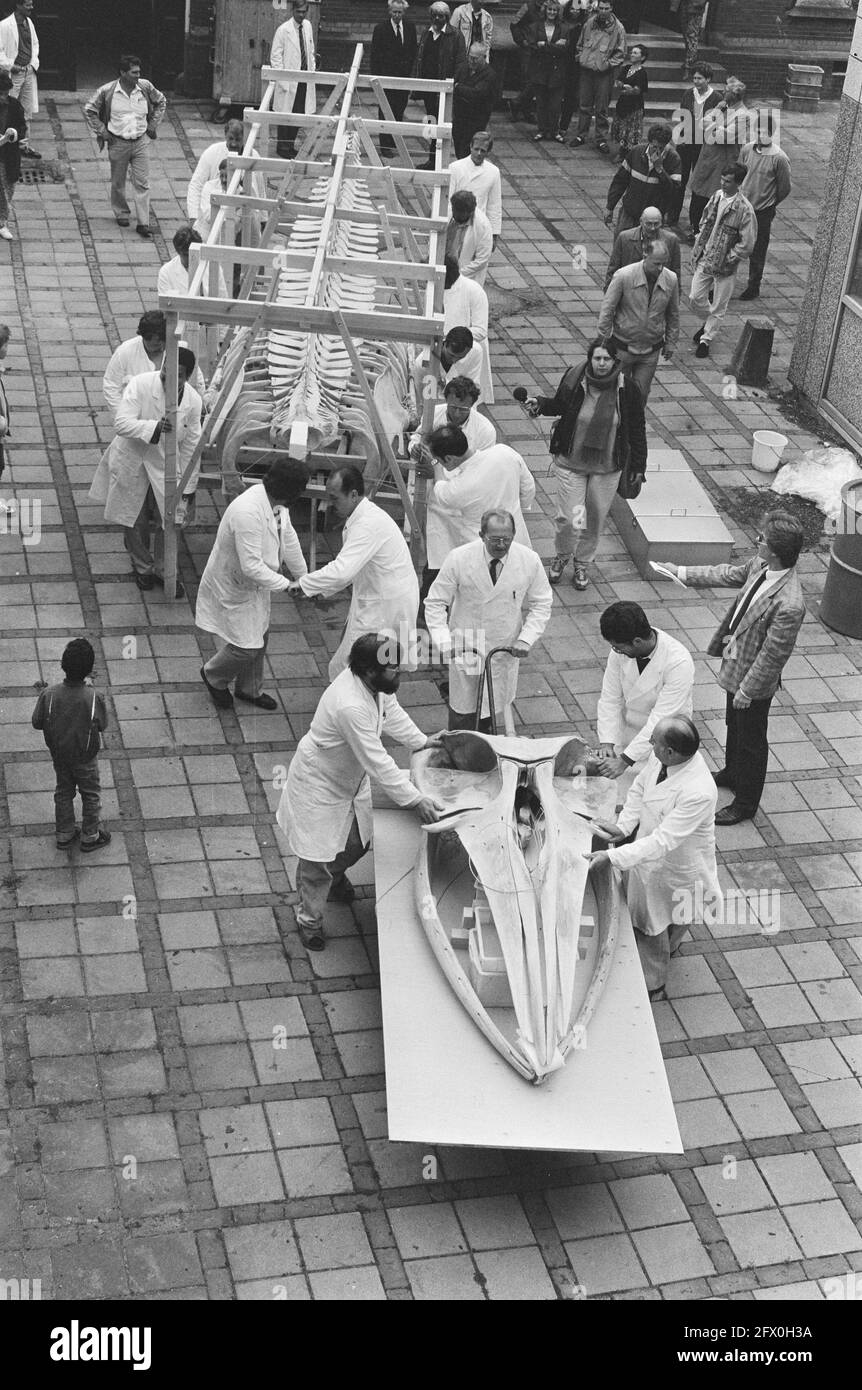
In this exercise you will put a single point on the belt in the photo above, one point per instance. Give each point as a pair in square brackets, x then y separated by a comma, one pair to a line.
[638, 352]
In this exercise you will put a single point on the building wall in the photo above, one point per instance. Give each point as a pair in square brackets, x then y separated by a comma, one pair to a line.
[832, 247]
[785, 33]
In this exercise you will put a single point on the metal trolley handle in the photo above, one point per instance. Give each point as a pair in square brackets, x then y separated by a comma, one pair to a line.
[487, 678]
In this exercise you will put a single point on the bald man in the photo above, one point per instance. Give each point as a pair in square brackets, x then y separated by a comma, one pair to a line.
[671, 871]
[630, 246]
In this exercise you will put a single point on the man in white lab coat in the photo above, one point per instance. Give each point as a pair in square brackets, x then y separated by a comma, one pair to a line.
[255, 539]
[648, 675]
[479, 176]
[672, 877]
[143, 353]
[207, 166]
[135, 466]
[374, 558]
[469, 237]
[293, 47]
[460, 395]
[325, 809]
[477, 603]
[468, 484]
[465, 304]
[459, 356]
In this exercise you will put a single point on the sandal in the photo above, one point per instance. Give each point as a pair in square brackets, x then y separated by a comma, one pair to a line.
[311, 936]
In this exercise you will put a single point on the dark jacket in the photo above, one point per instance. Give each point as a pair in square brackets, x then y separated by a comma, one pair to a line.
[388, 57]
[546, 65]
[526, 17]
[630, 445]
[71, 717]
[452, 58]
[11, 153]
[641, 187]
[476, 96]
[688, 125]
[628, 249]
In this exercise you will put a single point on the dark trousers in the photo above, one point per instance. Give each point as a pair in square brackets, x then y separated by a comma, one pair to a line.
[398, 101]
[287, 133]
[428, 577]
[695, 211]
[314, 880]
[765, 219]
[83, 778]
[688, 155]
[548, 103]
[747, 751]
[468, 721]
[570, 97]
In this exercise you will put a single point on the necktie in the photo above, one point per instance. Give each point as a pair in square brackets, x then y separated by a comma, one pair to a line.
[643, 663]
[398, 34]
[746, 602]
[303, 53]
[476, 36]
[494, 570]
[662, 777]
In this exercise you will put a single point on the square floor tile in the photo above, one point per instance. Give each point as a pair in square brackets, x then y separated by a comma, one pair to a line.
[288, 1059]
[761, 1114]
[606, 1264]
[333, 1242]
[295, 1124]
[705, 1122]
[733, 1186]
[248, 1177]
[260, 1251]
[235, 1129]
[426, 1230]
[704, 1015]
[315, 1171]
[673, 1253]
[823, 1228]
[817, 1060]
[760, 1238]
[738, 1070]
[836, 1103]
[648, 1201]
[687, 1079]
[494, 1223]
[834, 1000]
[796, 1178]
[760, 966]
[782, 1006]
[147, 1137]
[586, 1209]
[347, 1285]
[515, 1275]
[445, 1279]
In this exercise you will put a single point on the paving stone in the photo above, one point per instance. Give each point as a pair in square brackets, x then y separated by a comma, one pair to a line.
[515, 1275]
[606, 1264]
[427, 1230]
[446, 1278]
[247, 1177]
[760, 1238]
[796, 1178]
[298, 1123]
[648, 1201]
[673, 1252]
[834, 999]
[262, 1250]
[314, 1171]
[494, 1223]
[733, 1186]
[159, 1262]
[705, 1122]
[89, 1271]
[706, 1014]
[333, 1242]
[823, 1228]
[738, 1070]
[836, 1103]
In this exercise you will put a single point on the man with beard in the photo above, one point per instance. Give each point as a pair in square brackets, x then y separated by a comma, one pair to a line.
[325, 809]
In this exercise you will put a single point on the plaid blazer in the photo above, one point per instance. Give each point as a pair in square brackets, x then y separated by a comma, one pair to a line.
[754, 655]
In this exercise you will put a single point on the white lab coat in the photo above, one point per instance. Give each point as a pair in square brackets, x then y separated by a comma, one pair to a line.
[285, 53]
[496, 477]
[485, 615]
[476, 248]
[131, 463]
[471, 366]
[483, 180]
[130, 359]
[9, 50]
[672, 873]
[477, 429]
[244, 569]
[328, 781]
[374, 558]
[632, 703]
[465, 305]
[205, 169]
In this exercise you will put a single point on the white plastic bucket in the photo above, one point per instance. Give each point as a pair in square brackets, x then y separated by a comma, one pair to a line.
[767, 450]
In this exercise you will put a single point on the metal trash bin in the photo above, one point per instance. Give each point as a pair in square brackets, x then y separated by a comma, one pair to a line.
[841, 604]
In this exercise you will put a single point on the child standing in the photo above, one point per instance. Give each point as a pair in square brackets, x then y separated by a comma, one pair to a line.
[72, 717]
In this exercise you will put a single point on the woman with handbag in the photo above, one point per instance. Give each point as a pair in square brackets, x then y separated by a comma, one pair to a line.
[598, 446]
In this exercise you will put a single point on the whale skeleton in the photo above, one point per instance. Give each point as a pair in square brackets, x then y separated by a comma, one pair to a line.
[512, 848]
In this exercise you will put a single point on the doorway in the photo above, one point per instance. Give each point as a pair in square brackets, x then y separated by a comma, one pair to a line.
[81, 44]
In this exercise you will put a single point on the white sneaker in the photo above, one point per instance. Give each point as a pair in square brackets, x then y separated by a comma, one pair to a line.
[6, 234]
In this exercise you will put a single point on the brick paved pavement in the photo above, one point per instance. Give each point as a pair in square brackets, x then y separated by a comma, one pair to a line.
[193, 1108]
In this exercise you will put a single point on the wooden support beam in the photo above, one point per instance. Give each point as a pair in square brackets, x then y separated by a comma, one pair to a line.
[169, 439]
[379, 429]
[363, 82]
[304, 318]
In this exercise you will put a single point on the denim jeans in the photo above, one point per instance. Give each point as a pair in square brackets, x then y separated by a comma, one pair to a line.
[83, 778]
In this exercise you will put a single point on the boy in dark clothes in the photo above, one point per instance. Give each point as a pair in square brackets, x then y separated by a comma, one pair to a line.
[72, 717]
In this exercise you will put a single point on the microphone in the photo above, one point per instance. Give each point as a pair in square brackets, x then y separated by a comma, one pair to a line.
[520, 394]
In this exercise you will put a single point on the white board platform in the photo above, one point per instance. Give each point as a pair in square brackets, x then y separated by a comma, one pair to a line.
[445, 1084]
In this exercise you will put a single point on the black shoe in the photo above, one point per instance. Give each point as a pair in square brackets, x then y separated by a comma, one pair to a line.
[733, 814]
[342, 891]
[143, 231]
[222, 698]
[145, 581]
[723, 779]
[28, 152]
[262, 701]
[752, 292]
[602, 147]
[312, 938]
[698, 334]
[702, 349]
[657, 995]
[122, 222]
[103, 838]
[578, 140]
